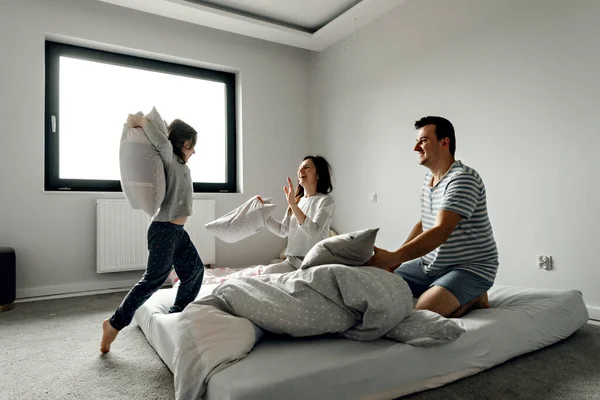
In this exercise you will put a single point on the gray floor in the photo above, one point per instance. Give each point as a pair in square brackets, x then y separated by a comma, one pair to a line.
[568, 370]
[49, 350]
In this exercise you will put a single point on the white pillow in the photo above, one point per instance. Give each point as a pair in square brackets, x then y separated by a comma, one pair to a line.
[353, 249]
[142, 169]
[242, 222]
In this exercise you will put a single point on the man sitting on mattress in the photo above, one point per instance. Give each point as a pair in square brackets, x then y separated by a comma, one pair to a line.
[450, 258]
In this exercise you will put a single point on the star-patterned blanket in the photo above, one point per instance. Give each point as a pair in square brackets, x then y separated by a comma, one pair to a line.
[359, 303]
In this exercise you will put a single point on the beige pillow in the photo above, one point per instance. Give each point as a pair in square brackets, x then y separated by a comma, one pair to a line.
[142, 170]
[154, 117]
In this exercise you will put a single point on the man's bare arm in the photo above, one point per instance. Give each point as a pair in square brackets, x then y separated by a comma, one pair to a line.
[416, 231]
[421, 244]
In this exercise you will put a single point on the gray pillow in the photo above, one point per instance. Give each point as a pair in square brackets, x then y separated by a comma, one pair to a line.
[353, 249]
[242, 222]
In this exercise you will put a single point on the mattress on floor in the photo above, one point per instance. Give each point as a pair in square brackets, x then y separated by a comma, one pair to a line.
[521, 320]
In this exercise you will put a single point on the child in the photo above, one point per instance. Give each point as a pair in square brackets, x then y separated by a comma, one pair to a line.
[169, 245]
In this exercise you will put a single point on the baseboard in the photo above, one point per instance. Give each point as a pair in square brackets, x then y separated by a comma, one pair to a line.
[594, 313]
[73, 290]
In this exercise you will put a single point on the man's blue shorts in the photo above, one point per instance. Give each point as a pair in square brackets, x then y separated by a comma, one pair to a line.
[464, 285]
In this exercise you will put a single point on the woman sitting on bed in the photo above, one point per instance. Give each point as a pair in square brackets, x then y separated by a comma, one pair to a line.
[309, 213]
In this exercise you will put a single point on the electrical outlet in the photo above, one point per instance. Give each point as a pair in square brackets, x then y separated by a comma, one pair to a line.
[545, 262]
[373, 198]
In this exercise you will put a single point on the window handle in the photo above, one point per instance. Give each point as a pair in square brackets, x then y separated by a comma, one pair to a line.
[53, 122]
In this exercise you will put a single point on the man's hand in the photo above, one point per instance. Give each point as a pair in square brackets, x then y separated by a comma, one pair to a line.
[135, 121]
[384, 259]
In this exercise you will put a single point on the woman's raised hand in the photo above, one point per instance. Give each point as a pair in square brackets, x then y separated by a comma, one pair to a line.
[289, 192]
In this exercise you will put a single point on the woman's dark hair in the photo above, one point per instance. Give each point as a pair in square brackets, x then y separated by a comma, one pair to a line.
[178, 133]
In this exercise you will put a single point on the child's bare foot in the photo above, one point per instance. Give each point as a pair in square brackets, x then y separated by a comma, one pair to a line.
[109, 334]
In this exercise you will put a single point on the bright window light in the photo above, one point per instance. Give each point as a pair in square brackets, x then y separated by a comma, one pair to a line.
[94, 97]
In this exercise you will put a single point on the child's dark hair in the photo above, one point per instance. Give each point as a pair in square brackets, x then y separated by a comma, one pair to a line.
[179, 132]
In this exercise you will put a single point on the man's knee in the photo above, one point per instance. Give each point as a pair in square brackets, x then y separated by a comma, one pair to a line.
[439, 300]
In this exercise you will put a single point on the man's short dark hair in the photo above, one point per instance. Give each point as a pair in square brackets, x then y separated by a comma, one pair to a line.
[443, 129]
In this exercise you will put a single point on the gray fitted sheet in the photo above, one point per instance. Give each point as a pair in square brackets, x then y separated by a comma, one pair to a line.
[520, 320]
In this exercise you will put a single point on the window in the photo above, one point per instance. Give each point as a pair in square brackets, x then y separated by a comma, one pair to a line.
[89, 94]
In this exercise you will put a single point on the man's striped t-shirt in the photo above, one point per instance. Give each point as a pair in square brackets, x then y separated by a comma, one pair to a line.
[471, 246]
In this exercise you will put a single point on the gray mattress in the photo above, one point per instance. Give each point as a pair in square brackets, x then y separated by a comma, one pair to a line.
[520, 320]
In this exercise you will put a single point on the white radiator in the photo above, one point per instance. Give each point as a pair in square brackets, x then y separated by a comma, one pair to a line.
[121, 241]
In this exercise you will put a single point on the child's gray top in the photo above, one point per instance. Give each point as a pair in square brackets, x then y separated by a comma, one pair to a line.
[179, 192]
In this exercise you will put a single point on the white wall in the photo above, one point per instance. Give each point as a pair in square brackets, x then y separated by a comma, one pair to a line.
[53, 234]
[519, 80]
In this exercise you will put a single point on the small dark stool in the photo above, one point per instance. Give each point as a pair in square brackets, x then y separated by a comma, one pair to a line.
[8, 276]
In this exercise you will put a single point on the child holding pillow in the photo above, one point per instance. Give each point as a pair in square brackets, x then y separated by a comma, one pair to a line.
[169, 244]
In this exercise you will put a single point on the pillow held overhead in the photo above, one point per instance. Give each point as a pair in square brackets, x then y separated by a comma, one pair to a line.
[142, 169]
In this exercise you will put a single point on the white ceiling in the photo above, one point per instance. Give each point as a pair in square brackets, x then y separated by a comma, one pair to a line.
[307, 15]
[308, 24]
